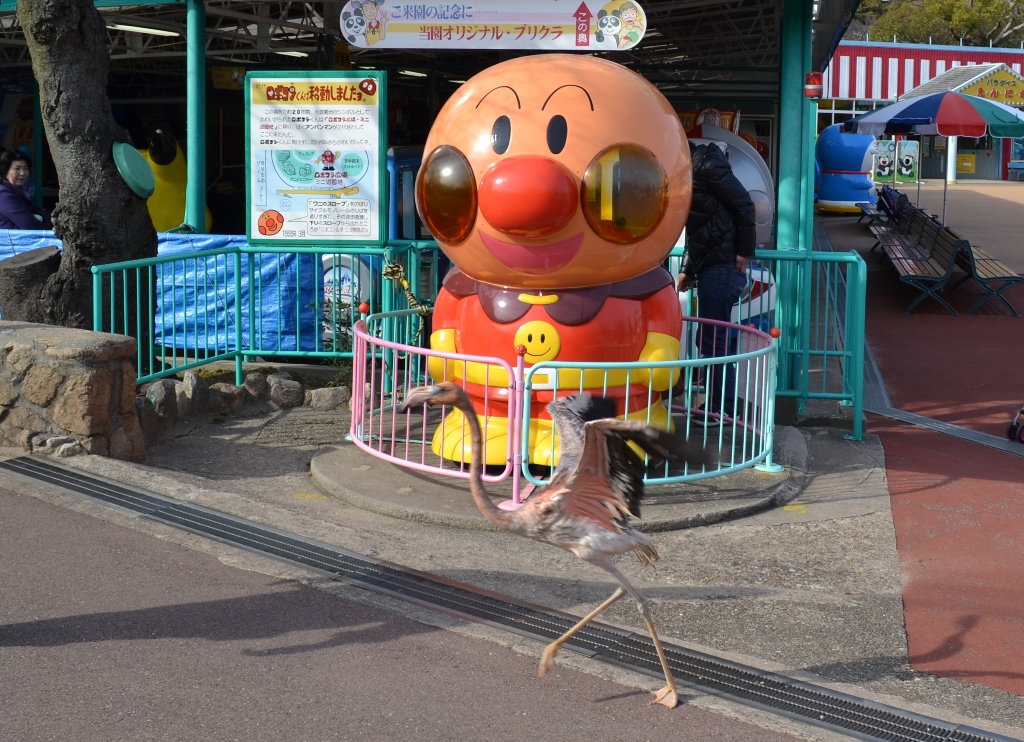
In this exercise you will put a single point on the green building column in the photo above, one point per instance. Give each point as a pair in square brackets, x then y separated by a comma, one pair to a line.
[796, 129]
[795, 198]
[195, 142]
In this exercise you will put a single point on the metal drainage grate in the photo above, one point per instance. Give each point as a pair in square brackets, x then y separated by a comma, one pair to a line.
[856, 717]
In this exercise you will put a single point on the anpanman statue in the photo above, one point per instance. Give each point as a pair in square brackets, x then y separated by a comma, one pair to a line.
[557, 185]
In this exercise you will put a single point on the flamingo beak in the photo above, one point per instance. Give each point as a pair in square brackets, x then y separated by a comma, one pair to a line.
[419, 396]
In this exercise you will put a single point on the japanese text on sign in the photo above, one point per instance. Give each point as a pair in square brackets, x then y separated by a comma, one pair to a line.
[494, 24]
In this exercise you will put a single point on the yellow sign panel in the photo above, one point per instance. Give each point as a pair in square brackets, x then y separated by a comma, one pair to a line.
[965, 164]
[1003, 85]
[227, 78]
[315, 93]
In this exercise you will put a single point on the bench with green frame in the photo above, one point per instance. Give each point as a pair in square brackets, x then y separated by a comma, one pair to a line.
[929, 267]
[890, 206]
[913, 235]
[990, 273]
[872, 213]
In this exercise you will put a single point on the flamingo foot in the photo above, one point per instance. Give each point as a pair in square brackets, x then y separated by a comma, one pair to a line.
[547, 659]
[666, 697]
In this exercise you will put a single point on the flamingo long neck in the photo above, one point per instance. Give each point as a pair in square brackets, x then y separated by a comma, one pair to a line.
[500, 518]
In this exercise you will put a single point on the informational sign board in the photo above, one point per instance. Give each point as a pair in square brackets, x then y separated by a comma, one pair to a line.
[315, 154]
[966, 164]
[550, 25]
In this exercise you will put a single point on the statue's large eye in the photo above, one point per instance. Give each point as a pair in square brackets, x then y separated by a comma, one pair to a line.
[501, 135]
[558, 130]
[624, 193]
[446, 194]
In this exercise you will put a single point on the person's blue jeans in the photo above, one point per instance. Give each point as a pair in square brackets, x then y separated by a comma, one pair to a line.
[718, 289]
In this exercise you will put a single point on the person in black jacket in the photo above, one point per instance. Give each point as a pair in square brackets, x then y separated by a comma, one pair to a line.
[17, 209]
[720, 238]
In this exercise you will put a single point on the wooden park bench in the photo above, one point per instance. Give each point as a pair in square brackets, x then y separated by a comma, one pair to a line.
[990, 273]
[928, 265]
[872, 213]
[907, 232]
[891, 204]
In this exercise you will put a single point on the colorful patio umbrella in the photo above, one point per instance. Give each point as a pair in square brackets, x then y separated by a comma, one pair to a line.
[946, 114]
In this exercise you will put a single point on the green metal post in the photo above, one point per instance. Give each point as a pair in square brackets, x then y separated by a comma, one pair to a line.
[239, 358]
[856, 285]
[791, 209]
[809, 141]
[97, 300]
[806, 235]
[788, 186]
[195, 190]
[791, 105]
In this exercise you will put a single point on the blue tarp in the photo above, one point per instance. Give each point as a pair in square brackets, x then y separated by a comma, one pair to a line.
[195, 298]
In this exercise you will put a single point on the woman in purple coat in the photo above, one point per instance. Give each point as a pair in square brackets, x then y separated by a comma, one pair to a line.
[17, 209]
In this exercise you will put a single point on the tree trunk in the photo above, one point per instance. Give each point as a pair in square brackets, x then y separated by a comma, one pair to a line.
[21, 278]
[98, 217]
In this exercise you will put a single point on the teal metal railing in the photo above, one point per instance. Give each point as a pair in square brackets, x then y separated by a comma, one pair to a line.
[191, 309]
[821, 357]
[130, 298]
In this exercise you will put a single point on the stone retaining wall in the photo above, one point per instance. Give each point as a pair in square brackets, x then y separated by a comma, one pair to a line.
[68, 390]
[65, 392]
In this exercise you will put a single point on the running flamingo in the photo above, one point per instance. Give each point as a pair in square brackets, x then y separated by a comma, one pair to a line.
[584, 509]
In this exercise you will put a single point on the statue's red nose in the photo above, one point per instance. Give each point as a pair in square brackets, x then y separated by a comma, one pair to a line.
[528, 196]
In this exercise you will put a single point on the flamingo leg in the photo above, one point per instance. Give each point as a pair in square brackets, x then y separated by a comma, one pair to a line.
[669, 695]
[547, 658]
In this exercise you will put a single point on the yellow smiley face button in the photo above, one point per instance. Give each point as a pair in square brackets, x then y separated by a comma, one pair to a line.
[541, 341]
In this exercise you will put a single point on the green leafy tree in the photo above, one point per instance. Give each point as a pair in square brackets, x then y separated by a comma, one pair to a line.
[974, 22]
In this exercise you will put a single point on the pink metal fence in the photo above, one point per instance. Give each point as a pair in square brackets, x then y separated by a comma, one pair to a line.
[438, 442]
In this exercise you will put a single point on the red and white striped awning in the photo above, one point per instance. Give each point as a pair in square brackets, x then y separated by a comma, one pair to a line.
[874, 71]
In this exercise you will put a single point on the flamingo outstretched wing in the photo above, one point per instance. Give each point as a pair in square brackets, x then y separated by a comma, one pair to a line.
[599, 476]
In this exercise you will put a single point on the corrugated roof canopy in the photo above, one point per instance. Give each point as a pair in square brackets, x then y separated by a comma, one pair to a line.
[693, 49]
[953, 79]
[995, 81]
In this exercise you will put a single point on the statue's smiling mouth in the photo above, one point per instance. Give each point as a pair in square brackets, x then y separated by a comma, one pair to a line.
[533, 260]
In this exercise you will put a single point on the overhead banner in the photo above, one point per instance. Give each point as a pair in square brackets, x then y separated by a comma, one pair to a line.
[550, 25]
[315, 153]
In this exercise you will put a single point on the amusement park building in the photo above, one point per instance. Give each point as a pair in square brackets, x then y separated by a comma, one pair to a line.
[864, 75]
